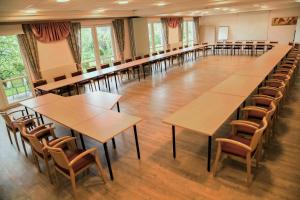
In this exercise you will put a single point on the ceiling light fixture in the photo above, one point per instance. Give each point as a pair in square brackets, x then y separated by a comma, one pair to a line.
[30, 11]
[62, 1]
[217, 8]
[122, 2]
[264, 7]
[99, 10]
[161, 4]
[224, 9]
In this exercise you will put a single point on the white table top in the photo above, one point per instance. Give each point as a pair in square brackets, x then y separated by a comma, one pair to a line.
[99, 99]
[206, 113]
[41, 100]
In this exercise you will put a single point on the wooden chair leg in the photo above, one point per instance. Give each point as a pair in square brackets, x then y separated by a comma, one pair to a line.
[24, 147]
[218, 156]
[9, 136]
[16, 140]
[248, 168]
[48, 169]
[36, 160]
[100, 170]
[73, 182]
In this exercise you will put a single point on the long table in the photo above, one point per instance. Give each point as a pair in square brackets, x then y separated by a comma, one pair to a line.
[114, 70]
[88, 114]
[207, 113]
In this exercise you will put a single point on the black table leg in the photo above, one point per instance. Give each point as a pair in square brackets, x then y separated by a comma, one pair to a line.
[174, 142]
[144, 72]
[82, 141]
[118, 106]
[77, 89]
[115, 75]
[73, 135]
[114, 143]
[209, 153]
[165, 64]
[136, 142]
[26, 110]
[42, 119]
[108, 161]
[107, 78]
[37, 118]
[238, 113]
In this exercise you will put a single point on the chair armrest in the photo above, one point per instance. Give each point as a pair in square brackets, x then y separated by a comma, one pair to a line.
[64, 140]
[41, 127]
[274, 89]
[255, 108]
[24, 117]
[225, 140]
[245, 123]
[16, 111]
[57, 140]
[42, 132]
[77, 158]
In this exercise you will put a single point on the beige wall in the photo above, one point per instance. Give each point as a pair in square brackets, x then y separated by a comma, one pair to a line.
[254, 25]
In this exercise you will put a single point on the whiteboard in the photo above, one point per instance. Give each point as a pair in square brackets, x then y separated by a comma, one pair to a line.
[223, 33]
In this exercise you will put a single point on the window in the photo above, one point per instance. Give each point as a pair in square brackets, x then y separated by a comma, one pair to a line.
[188, 33]
[88, 51]
[97, 46]
[156, 40]
[13, 74]
[105, 39]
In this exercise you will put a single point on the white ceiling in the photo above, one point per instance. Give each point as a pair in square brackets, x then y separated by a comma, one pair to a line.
[31, 10]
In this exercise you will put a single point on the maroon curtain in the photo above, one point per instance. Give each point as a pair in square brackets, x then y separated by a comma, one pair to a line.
[51, 31]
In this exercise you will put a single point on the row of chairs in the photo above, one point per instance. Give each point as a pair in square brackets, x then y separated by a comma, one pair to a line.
[67, 158]
[131, 72]
[239, 47]
[254, 129]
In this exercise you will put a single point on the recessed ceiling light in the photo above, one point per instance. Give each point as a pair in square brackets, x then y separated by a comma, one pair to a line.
[298, 1]
[233, 9]
[264, 7]
[62, 1]
[161, 3]
[30, 11]
[122, 2]
[256, 5]
[224, 9]
[99, 10]
[217, 8]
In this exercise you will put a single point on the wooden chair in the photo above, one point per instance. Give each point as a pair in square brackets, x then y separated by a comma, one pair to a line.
[248, 47]
[219, 47]
[11, 127]
[228, 47]
[73, 161]
[260, 46]
[34, 137]
[66, 89]
[37, 84]
[123, 71]
[238, 45]
[237, 146]
[91, 69]
[82, 83]
[271, 43]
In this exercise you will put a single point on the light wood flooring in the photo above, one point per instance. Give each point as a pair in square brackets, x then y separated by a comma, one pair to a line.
[157, 175]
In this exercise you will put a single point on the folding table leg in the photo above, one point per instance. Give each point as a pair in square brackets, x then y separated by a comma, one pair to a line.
[115, 75]
[118, 106]
[108, 161]
[209, 153]
[174, 142]
[114, 143]
[42, 119]
[37, 118]
[136, 142]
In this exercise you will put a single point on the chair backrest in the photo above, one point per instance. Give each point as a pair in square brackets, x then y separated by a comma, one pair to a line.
[174, 49]
[104, 66]
[77, 73]
[154, 54]
[161, 52]
[146, 56]
[180, 47]
[128, 60]
[91, 69]
[7, 119]
[168, 50]
[59, 78]
[260, 42]
[57, 152]
[256, 138]
[204, 43]
[186, 46]
[273, 42]
[39, 83]
[249, 42]
[117, 63]
[138, 57]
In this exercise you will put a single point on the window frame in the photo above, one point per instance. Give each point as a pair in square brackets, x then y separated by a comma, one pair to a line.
[151, 32]
[186, 32]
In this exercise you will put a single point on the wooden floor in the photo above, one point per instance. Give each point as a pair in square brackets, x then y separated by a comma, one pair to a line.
[157, 175]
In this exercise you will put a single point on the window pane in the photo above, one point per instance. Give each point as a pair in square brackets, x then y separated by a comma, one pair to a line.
[104, 35]
[12, 70]
[184, 40]
[150, 37]
[190, 32]
[158, 36]
[88, 54]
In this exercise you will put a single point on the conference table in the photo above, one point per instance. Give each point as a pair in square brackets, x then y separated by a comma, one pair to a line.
[89, 115]
[206, 114]
[113, 70]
